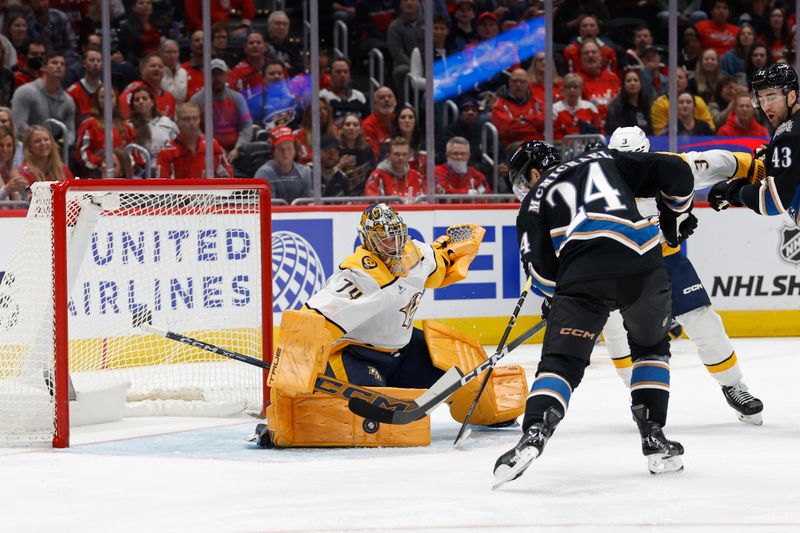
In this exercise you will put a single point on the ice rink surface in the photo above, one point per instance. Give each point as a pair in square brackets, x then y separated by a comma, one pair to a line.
[199, 475]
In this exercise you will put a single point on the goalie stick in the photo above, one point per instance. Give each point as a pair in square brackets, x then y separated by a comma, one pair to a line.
[463, 434]
[450, 382]
[323, 384]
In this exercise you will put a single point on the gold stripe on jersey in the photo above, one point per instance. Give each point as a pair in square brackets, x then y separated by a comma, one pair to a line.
[728, 363]
[371, 264]
[436, 277]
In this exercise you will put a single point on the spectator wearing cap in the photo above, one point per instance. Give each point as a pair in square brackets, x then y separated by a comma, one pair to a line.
[600, 86]
[467, 125]
[194, 67]
[185, 156]
[516, 114]
[151, 69]
[82, 91]
[742, 122]
[334, 181]
[394, 176]
[405, 33]
[281, 48]
[287, 179]
[246, 77]
[631, 107]
[176, 79]
[716, 32]
[573, 115]
[654, 74]
[589, 30]
[659, 111]
[378, 125]
[341, 96]
[233, 125]
[463, 33]
[53, 27]
[455, 176]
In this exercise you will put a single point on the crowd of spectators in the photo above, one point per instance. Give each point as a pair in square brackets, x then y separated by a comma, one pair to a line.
[609, 71]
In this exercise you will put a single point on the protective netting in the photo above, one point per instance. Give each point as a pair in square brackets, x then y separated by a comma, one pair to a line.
[191, 257]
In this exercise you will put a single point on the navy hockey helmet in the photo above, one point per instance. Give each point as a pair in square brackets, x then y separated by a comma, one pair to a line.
[530, 155]
[776, 76]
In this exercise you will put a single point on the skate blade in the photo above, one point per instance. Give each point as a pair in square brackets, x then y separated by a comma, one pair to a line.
[505, 473]
[662, 464]
[754, 420]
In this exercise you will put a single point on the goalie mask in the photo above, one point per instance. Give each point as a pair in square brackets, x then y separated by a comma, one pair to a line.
[383, 232]
[629, 139]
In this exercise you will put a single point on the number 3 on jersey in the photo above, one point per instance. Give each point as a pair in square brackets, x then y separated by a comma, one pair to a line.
[782, 157]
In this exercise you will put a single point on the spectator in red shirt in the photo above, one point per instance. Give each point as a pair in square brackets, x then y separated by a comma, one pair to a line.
[742, 122]
[778, 38]
[151, 69]
[246, 77]
[233, 125]
[515, 113]
[715, 32]
[536, 77]
[42, 160]
[194, 67]
[91, 137]
[456, 176]
[573, 115]
[378, 125]
[600, 86]
[185, 157]
[589, 30]
[33, 52]
[394, 177]
[83, 90]
[220, 12]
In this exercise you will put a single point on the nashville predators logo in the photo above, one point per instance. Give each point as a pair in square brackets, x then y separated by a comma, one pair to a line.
[410, 309]
[368, 263]
[374, 374]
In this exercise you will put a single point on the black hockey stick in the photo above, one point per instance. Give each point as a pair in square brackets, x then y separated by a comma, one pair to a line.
[452, 380]
[463, 433]
[323, 384]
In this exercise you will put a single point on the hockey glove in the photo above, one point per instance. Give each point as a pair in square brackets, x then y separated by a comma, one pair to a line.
[546, 305]
[725, 193]
[676, 227]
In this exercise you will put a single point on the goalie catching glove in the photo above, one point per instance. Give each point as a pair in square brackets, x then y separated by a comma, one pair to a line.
[676, 227]
[459, 246]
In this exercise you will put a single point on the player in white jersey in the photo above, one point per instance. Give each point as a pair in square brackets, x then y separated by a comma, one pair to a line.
[691, 304]
[368, 307]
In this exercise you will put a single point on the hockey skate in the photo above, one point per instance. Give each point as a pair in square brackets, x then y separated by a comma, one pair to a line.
[663, 455]
[513, 463]
[748, 407]
[261, 437]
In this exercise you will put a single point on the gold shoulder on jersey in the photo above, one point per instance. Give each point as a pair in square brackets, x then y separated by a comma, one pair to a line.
[369, 263]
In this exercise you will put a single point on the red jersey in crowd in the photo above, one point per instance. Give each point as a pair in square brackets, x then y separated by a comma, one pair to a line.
[572, 56]
[518, 120]
[384, 182]
[567, 120]
[178, 161]
[777, 49]
[220, 11]
[711, 36]
[246, 79]
[84, 99]
[731, 128]
[21, 78]
[450, 182]
[27, 172]
[537, 91]
[601, 90]
[165, 102]
[92, 141]
[375, 132]
[194, 79]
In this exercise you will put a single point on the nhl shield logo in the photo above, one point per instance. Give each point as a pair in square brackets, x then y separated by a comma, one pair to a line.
[789, 247]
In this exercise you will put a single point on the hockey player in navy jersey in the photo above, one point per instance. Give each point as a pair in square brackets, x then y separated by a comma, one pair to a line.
[774, 90]
[691, 304]
[589, 251]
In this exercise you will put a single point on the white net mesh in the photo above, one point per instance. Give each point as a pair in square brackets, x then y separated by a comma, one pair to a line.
[191, 257]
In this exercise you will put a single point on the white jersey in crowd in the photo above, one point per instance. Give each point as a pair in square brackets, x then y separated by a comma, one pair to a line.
[370, 305]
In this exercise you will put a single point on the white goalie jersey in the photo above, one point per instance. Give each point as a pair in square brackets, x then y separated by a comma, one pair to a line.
[371, 306]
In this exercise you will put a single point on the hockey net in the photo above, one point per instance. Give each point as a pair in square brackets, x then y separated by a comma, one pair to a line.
[94, 253]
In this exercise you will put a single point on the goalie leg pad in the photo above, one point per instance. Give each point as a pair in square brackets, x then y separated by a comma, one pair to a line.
[502, 400]
[303, 349]
[318, 420]
[505, 393]
[705, 329]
